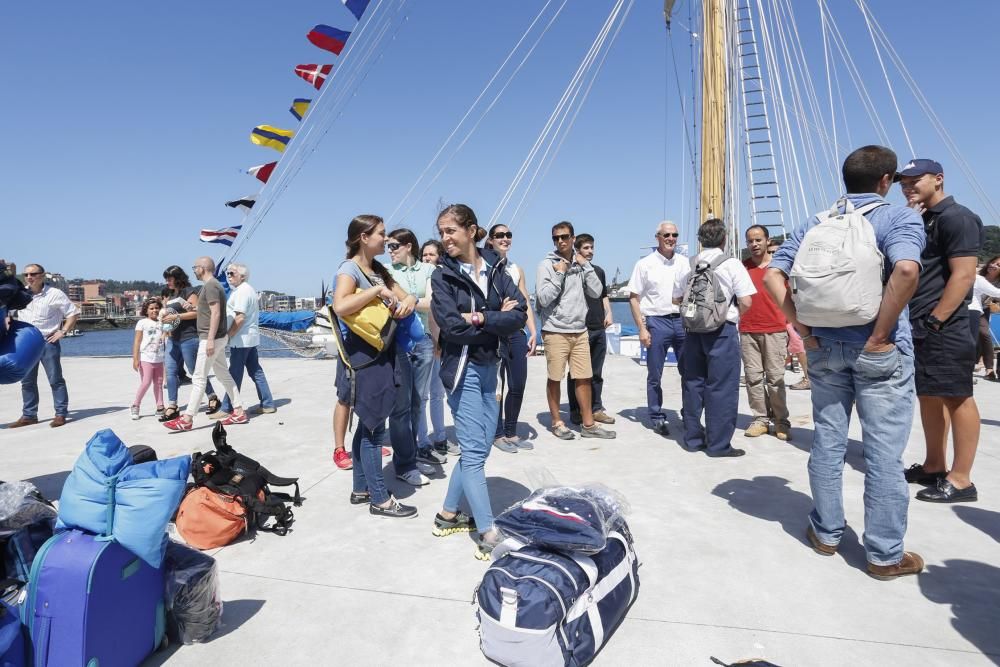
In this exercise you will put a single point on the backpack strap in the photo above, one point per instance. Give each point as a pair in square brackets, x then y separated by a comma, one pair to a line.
[868, 208]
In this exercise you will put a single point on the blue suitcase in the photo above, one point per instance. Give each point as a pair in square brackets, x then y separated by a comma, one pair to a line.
[92, 602]
[11, 637]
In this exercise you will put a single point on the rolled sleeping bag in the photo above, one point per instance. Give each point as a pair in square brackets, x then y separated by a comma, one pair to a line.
[20, 349]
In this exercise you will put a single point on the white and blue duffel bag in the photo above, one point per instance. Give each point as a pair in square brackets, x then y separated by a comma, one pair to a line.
[539, 607]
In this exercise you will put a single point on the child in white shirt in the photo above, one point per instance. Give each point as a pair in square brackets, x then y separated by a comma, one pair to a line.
[148, 351]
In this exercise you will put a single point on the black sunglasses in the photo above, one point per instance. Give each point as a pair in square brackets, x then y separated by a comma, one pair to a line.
[556, 238]
[503, 235]
[667, 235]
[393, 246]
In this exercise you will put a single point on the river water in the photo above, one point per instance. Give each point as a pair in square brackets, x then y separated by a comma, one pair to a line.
[118, 342]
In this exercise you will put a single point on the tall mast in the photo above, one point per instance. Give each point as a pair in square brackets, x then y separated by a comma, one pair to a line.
[713, 111]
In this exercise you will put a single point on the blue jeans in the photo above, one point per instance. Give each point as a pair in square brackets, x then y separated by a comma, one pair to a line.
[881, 386]
[710, 381]
[474, 408]
[404, 420]
[422, 362]
[366, 452]
[50, 361]
[665, 331]
[247, 358]
[436, 409]
[515, 368]
[184, 353]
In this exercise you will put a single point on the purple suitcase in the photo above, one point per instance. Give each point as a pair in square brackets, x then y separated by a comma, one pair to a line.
[92, 602]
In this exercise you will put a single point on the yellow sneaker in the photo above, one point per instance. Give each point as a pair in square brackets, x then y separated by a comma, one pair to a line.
[756, 428]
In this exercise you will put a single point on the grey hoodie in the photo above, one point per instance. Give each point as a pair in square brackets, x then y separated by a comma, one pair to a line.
[560, 296]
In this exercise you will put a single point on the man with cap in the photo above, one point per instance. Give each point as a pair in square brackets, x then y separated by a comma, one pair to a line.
[945, 353]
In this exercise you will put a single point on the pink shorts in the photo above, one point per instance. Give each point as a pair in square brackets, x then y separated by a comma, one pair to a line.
[795, 344]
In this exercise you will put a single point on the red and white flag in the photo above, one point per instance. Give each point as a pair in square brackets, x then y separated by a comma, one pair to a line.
[262, 172]
[314, 74]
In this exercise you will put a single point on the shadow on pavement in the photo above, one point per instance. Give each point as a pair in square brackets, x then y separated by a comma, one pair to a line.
[769, 498]
[972, 589]
[990, 422]
[985, 520]
[234, 614]
[505, 492]
[77, 415]
[50, 485]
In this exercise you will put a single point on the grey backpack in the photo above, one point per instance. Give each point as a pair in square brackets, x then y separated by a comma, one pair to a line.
[705, 305]
[837, 275]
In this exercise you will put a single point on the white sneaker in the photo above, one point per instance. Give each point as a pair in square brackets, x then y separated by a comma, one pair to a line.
[413, 477]
[135, 412]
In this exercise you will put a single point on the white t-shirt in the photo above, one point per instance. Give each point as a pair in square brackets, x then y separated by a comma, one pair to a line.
[243, 299]
[982, 287]
[653, 279]
[733, 279]
[152, 345]
[514, 271]
[47, 310]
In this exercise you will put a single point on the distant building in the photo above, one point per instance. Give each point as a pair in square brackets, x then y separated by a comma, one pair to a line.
[265, 299]
[284, 303]
[306, 303]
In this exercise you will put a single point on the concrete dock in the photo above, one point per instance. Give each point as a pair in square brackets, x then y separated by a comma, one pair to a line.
[726, 570]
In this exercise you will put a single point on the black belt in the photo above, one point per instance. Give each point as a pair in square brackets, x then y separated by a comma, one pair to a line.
[671, 315]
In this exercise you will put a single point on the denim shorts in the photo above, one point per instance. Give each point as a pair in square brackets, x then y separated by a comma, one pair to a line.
[944, 360]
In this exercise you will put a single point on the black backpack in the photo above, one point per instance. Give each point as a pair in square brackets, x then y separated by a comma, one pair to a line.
[230, 473]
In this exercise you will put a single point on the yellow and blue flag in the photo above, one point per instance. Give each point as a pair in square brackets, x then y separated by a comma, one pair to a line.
[272, 137]
[299, 107]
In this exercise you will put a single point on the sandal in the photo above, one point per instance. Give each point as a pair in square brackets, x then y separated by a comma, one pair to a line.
[170, 413]
[560, 431]
[214, 405]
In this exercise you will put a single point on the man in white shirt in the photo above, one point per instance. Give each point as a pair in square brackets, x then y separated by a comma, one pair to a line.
[244, 338]
[52, 313]
[651, 291]
[710, 367]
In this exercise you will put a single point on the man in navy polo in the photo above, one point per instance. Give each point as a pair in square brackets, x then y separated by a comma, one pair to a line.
[945, 353]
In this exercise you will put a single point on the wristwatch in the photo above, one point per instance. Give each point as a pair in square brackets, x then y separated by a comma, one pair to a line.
[933, 323]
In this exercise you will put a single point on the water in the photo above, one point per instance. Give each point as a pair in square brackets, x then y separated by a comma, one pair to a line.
[118, 343]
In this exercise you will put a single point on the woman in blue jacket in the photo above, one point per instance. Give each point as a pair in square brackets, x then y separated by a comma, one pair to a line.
[477, 307]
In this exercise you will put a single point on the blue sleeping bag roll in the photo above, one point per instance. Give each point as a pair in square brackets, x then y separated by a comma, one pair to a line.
[106, 494]
[409, 332]
[20, 349]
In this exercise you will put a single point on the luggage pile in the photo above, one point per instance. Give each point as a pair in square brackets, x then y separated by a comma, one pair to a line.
[562, 580]
[99, 582]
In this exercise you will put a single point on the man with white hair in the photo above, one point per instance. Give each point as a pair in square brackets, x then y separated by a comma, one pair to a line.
[212, 341]
[244, 337]
[651, 297]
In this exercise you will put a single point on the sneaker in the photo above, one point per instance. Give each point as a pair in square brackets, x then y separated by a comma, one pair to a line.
[560, 431]
[576, 418]
[178, 424]
[159, 410]
[396, 510]
[757, 428]
[260, 410]
[430, 457]
[454, 449]
[342, 459]
[413, 477]
[386, 452]
[802, 384]
[783, 432]
[441, 447]
[135, 412]
[522, 443]
[484, 548]
[911, 564]
[661, 427]
[505, 445]
[218, 414]
[236, 419]
[603, 417]
[460, 523]
[596, 431]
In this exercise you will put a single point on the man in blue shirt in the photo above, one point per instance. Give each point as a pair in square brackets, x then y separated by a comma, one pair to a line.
[870, 366]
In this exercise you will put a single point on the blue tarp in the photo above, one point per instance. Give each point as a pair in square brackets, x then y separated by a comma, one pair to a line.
[295, 320]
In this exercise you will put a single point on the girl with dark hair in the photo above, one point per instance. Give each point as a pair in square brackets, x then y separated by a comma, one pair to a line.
[180, 315]
[370, 388]
[431, 253]
[985, 288]
[477, 307]
[148, 351]
[408, 442]
[514, 364]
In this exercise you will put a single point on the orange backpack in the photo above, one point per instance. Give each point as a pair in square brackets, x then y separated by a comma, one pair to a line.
[207, 519]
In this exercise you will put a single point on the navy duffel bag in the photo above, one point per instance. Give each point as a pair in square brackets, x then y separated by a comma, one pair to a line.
[540, 607]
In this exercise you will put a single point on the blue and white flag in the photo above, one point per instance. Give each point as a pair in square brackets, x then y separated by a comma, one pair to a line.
[225, 236]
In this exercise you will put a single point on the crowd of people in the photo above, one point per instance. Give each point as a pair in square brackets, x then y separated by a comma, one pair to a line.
[478, 329]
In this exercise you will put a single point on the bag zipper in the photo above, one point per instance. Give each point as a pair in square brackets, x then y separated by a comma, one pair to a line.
[539, 559]
[28, 618]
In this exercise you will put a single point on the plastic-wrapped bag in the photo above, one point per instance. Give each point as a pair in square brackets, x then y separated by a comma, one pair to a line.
[193, 599]
[21, 504]
[565, 518]
[26, 522]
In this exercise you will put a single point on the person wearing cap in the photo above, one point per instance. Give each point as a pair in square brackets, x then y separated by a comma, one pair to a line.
[945, 353]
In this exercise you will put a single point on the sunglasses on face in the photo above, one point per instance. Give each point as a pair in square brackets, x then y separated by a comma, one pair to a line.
[230, 274]
[668, 235]
[504, 235]
[556, 238]
[393, 247]
[32, 273]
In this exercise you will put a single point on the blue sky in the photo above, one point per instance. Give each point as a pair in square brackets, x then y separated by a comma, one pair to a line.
[127, 124]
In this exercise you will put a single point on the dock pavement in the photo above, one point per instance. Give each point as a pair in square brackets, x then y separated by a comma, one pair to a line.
[726, 570]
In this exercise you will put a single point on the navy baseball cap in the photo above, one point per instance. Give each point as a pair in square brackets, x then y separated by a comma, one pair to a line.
[919, 167]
